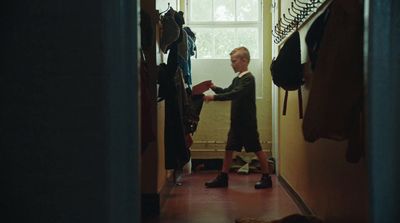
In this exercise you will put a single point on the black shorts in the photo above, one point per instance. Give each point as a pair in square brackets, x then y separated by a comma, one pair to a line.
[247, 138]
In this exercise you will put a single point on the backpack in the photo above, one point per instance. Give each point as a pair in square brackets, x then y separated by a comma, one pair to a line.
[287, 70]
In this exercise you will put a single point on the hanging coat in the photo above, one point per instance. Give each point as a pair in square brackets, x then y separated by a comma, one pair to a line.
[336, 92]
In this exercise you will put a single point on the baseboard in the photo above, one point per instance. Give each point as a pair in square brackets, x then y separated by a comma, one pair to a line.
[166, 189]
[153, 202]
[305, 210]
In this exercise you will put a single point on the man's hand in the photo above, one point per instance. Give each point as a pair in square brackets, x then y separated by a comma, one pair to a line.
[208, 98]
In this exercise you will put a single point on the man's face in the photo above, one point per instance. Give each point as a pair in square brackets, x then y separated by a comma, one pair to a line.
[237, 63]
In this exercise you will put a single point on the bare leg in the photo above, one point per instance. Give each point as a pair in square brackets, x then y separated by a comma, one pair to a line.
[262, 157]
[265, 181]
[227, 161]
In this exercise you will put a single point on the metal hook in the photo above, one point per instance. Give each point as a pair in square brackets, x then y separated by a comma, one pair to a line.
[285, 24]
[278, 30]
[290, 21]
[303, 5]
[169, 6]
[293, 22]
[315, 2]
[279, 25]
[286, 27]
[275, 36]
[297, 17]
[299, 12]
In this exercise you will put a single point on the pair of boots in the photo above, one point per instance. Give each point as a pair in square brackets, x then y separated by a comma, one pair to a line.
[222, 181]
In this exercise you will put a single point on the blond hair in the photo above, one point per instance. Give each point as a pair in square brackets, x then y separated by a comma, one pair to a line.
[242, 52]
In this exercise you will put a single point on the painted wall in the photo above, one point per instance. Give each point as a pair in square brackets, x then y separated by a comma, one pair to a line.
[332, 188]
[213, 127]
[153, 172]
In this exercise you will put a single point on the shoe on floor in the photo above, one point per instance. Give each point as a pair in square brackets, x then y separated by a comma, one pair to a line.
[265, 182]
[244, 169]
[219, 182]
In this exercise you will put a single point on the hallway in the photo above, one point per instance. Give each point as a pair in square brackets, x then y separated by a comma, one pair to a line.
[193, 203]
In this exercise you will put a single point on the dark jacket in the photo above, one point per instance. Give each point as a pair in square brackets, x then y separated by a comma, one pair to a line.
[242, 94]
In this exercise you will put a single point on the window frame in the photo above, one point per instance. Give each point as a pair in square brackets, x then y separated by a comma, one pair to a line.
[258, 24]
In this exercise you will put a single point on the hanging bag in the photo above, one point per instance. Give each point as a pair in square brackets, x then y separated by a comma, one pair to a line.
[287, 70]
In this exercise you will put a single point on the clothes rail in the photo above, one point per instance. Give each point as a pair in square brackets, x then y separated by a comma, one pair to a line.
[298, 14]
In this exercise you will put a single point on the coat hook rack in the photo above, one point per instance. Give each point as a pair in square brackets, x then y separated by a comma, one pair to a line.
[299, 12]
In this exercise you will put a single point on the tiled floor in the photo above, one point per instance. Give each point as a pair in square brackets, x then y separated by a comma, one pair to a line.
[193, 203]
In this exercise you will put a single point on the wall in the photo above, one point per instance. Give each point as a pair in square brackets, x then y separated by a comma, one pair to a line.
[69, 138]
[331, 188]
[150, 153]
[154, 176]
[382, 53]
[211, 135]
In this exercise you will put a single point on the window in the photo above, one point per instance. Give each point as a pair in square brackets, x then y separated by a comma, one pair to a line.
[222, 25]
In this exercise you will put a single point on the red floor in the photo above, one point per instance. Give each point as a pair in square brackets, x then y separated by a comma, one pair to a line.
[193, 203]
